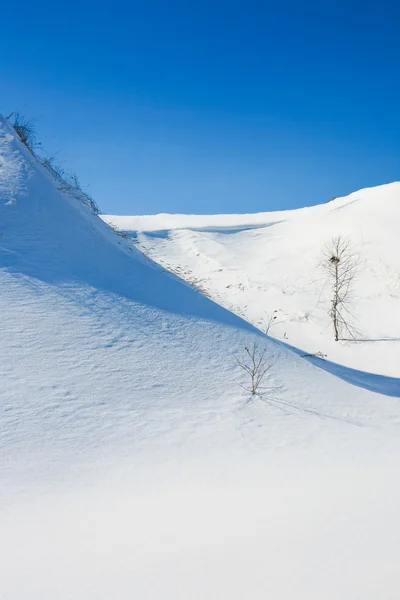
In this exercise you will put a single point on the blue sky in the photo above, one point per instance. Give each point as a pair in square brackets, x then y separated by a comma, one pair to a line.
[211, 106]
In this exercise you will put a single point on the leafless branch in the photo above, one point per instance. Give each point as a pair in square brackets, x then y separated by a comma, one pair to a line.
[258, 365]
[270, 319]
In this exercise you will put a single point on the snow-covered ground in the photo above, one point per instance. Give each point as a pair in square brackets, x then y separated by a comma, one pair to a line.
[133, 465]
[269, 264]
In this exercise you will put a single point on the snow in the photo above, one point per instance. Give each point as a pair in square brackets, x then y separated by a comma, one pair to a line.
[256, 265]
[133, 465]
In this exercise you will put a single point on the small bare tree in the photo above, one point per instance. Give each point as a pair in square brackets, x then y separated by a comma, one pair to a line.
[341, 265]
[270, 320]
[257, 364]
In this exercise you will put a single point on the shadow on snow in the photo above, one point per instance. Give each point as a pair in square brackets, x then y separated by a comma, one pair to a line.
[381, 384]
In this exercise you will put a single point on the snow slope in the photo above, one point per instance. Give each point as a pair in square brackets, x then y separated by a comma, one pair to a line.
[133, 465]
[258, 264]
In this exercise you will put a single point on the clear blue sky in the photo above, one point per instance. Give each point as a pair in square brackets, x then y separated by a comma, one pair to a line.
[209, 106]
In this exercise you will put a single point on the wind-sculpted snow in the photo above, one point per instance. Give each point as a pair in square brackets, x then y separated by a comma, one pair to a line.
[132, 462]
[62, 243]
[270, 264]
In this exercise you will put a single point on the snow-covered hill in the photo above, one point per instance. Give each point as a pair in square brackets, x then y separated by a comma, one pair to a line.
[133, 465]
[258, 264]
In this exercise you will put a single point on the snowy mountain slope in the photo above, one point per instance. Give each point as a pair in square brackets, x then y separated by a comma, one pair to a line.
[258, 264]
[78, 298]
[132, 463]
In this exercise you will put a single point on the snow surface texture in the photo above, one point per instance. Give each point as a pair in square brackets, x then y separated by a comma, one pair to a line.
[269, 265]
[133, 465]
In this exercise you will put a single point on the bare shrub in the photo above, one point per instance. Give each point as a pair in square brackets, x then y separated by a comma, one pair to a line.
[51, 164]
[26, 131]
[341, 265]
[69, 183]
[258, 365]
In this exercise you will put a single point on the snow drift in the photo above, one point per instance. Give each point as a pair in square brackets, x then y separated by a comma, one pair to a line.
[270, 263]
[133, 465]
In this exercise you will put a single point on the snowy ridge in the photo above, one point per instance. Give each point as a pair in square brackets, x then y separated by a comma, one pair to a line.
[388, 194]
[132, 463]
